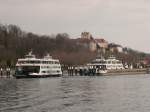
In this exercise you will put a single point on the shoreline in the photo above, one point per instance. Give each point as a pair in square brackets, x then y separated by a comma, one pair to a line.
[114, 72]
[128, 72]
[109, 73]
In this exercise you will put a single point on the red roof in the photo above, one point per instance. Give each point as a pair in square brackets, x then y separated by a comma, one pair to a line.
[147, 60]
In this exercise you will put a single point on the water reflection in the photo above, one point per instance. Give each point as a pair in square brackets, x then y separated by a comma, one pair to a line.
[73, 94]
[76, 92]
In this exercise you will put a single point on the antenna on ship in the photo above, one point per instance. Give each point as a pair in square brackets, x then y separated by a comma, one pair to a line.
[30, 54]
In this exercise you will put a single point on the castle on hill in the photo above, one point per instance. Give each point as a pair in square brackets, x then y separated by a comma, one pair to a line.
[98, 43]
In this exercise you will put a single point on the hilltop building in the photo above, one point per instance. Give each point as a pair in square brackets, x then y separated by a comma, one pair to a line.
[86, 35]
[102, 43]
[83, 42]
[115, 47]
[93, 44]
[98, 43]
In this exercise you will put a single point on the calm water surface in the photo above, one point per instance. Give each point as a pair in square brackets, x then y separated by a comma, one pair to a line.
[128, 93]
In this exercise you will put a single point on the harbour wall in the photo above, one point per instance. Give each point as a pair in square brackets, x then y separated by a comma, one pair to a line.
[73, 72]
[129, 71]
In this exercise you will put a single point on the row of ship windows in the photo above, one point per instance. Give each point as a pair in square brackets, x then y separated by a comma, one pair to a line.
[108, 62]
[38, 62]
[50, 67]
[113, 62]
[50, 71]
[114, 66]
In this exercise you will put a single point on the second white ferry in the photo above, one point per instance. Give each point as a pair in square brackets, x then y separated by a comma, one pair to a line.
[32, 67]
[102, 65]
[98, 65]
[114, 64]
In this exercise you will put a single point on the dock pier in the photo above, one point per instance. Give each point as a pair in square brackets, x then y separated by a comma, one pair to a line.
[6, 73]
[79, 71]
[83, 71]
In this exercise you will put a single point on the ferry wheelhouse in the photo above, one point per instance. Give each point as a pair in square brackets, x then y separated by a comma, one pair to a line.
[33, 67]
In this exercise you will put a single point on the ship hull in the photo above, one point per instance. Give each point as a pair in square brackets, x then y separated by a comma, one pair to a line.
[37, 76]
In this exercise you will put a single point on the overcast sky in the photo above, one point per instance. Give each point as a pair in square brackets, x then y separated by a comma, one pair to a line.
[126, 22]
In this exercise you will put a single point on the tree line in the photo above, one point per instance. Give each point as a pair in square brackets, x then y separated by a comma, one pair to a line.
[15, 43]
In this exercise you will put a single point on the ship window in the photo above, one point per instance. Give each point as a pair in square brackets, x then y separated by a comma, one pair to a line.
[44, 62]
[56, 62]
[28, 69]
[43, 71]
[43, 66]
[113, 62]
[22, 62]
[109, 62]
[103, 62]
[50, 62]
[119, 62]
[34, 62]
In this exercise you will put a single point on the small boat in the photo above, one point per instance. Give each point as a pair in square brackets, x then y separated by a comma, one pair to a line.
[32, 67]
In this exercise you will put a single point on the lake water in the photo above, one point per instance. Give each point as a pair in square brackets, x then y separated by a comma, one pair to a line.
[128, 93]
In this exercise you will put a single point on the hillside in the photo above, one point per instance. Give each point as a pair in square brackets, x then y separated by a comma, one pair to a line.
[15, 43]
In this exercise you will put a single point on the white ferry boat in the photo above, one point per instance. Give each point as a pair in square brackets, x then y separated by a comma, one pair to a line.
[98, 65]
[32, 67]
[113, 64]
[103, 65]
